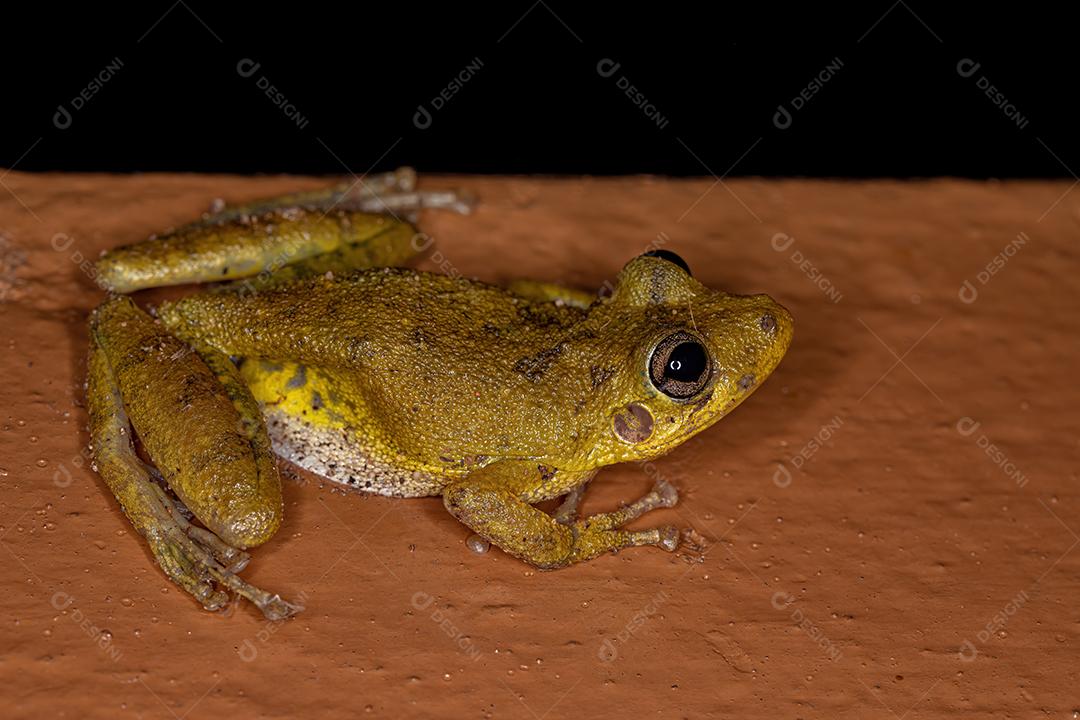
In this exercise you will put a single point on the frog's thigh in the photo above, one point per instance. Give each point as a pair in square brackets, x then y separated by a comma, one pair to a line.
[209, 449]
[493, 502]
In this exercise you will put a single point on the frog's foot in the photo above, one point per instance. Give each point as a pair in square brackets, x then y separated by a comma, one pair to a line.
[662, 495]
[390, 192]
[567, 512]
[232, 558]
[410, 203]
[200, 562]
[602, 528]
[490, 501]
[352, 195]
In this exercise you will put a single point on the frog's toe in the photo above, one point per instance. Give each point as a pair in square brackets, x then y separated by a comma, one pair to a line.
[232, 558]
[666, 493]
[669, 538]
[183, 563]
[278, 608]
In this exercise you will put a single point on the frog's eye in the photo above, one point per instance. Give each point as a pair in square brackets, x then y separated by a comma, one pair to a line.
[679, 366]
[671, 257]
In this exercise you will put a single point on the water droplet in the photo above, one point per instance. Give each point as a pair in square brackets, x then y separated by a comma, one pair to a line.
[42, 462]
[478, 544]
[127, 602]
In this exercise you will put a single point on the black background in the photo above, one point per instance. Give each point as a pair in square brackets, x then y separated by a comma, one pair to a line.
[356, 74]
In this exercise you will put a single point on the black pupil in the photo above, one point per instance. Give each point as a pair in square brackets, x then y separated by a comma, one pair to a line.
[687, 362]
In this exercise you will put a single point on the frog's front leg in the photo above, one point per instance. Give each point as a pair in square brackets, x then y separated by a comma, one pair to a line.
[202, 430]
[494, 502]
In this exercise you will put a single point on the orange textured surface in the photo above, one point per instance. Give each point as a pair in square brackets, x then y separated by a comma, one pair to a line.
[890, 521]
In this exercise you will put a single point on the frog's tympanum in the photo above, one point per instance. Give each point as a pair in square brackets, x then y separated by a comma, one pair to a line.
[314, 347]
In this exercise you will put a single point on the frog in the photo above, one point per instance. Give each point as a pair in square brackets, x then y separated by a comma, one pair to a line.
[312, 343]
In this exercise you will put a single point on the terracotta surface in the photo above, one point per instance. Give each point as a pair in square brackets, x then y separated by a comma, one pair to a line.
[859, 583]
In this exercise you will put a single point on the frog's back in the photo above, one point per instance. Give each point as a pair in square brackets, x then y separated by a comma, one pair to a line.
[392, 381]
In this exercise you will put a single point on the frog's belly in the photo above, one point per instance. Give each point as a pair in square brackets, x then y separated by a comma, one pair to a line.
[340, 457]
[305, 430]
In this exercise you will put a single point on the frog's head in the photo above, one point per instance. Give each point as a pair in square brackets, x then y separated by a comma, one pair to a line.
[694, 354]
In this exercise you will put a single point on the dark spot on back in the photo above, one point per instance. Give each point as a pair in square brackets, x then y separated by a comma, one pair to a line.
[656, 284]
[419, 339]
[534, 367]
[599, 375]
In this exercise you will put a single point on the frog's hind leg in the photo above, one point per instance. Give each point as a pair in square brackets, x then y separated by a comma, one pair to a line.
[199, 431]
[494, 502]
[281, 239]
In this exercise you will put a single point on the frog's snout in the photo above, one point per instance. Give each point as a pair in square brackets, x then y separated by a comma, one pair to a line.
[774, 327]
[765, 330]
[774, 322]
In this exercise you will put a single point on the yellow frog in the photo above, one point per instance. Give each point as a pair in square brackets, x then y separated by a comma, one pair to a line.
[395, 381]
